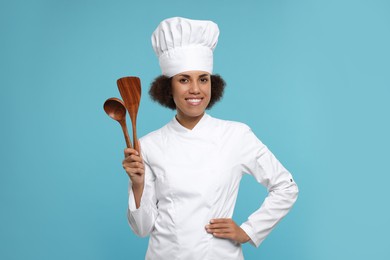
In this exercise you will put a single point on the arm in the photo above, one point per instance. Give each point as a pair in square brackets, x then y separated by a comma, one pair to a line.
[135, 169]
[142, 209]
[282, 190]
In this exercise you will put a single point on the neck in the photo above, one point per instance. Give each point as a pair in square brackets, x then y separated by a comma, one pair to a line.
[188, 122]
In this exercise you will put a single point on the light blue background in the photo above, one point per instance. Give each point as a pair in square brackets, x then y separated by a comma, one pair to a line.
[310, 77]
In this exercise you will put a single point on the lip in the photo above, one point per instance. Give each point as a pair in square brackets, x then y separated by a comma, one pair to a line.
[194, 101]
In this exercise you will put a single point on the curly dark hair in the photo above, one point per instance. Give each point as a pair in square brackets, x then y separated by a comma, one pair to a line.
[161, 91]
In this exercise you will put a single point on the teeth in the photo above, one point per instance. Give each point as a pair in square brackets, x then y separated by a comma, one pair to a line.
[194, 100]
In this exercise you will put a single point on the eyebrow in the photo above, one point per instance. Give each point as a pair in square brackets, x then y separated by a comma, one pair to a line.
[188, 76]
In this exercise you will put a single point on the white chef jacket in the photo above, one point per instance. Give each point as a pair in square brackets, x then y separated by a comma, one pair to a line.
[192, 176]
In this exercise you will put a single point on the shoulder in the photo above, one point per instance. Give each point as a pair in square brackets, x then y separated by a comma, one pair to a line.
[229, 125]
[153, 136]
[234, 131]
[240, 136]
[152, 144]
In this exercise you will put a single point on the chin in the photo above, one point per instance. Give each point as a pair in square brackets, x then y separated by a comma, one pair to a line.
[195, 114]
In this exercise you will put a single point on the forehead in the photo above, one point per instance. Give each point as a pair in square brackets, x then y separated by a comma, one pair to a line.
[193, 74]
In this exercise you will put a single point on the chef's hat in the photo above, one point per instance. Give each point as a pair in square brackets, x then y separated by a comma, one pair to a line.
[182, 45]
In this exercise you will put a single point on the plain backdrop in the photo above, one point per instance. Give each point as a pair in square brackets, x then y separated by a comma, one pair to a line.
[311, 78]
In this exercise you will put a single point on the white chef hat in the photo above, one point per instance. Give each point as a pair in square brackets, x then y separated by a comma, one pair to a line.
[182, 45]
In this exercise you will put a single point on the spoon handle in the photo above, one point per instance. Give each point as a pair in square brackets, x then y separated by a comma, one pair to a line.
[126, 134]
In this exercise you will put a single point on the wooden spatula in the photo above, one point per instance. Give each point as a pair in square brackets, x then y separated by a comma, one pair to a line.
[130, 90]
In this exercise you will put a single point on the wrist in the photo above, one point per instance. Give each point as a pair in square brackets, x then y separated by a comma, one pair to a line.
[244, 238]
[137, 186]
[137, 191]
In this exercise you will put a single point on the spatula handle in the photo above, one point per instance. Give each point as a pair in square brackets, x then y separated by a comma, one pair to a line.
[135, 139]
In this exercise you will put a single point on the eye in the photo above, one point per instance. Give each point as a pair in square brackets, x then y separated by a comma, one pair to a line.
[204, 80]
[183, 80]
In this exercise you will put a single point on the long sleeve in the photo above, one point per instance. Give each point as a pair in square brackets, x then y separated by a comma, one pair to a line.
[142, 219]
[282, 189]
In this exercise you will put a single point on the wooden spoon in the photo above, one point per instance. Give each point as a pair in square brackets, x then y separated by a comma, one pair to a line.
[130, 90]
[115, 109]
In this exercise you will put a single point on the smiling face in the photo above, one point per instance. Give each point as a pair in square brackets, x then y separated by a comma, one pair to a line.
[191, 91]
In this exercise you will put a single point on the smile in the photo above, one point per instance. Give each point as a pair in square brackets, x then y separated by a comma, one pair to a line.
[194, 101]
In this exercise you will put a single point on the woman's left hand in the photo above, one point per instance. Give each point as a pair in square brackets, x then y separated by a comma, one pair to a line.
[227, 228]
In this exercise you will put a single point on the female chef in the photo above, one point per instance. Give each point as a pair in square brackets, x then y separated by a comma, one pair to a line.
[184, 184]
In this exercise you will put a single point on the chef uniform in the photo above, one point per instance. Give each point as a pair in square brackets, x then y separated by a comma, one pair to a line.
[193, 176]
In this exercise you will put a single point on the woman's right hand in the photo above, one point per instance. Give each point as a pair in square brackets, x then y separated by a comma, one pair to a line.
[134, 167]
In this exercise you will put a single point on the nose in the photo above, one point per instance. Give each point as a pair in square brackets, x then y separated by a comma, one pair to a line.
[194, 89]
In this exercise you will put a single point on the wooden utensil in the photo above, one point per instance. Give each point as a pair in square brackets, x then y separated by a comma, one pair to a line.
[130, 90]
[115, 109]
